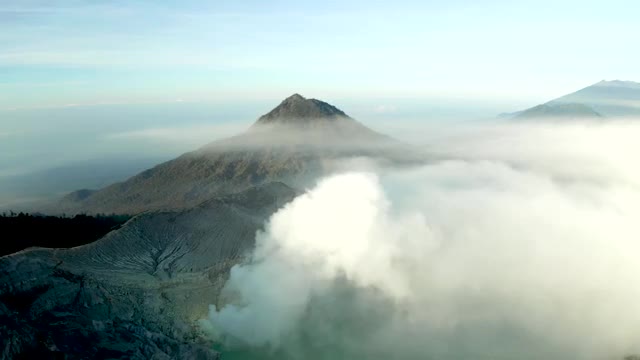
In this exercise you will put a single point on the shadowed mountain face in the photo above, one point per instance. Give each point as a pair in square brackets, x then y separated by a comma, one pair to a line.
[294, 143]
[605, 99]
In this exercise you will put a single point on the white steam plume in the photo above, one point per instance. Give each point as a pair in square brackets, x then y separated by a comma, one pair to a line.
[456, 260]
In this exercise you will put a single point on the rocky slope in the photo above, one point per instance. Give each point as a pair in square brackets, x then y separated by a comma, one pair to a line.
[294, 143]
[136, 293]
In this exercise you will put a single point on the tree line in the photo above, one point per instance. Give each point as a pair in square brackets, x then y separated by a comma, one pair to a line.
[19, 231]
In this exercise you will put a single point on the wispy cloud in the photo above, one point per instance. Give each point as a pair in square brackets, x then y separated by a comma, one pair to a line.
[191, 135]
[405, 264]
[92, 103]
[42, 84]
[124, 57]
[384, 109]
[46, 8]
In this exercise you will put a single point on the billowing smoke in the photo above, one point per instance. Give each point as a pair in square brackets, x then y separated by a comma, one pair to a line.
[508, 252]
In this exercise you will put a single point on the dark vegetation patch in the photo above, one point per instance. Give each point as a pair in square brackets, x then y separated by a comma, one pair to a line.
[20, 231]
[22, 301]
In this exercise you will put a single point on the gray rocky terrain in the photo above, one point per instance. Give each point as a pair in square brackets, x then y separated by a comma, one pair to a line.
[136, 293]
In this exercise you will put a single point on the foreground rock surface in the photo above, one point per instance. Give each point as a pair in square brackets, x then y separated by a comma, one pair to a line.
[138, 292]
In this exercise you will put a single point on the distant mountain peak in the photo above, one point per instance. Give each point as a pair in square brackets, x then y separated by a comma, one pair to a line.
[618, 83]
[604, 99]
[296, 109]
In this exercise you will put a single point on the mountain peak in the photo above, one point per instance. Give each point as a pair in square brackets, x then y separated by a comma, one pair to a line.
[296, 109]
[295, 97]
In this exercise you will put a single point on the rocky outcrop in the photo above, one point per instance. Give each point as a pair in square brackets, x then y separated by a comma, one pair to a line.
[138, 292]
[298, 110]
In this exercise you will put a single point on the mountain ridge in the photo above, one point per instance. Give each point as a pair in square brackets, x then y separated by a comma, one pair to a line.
[561, 110]
[294, 143]
[602, 100]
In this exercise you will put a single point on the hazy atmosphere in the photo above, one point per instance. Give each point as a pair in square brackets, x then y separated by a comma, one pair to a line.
[88, 81]
[332, 180]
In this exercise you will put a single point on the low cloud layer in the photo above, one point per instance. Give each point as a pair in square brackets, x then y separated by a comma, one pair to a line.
[524, 245]
[194, 135]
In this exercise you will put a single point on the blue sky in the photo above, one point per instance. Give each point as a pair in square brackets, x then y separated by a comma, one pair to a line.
[86, 79]
[55, 53]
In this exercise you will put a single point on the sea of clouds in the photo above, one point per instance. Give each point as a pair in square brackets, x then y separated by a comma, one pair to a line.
[522, 243]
